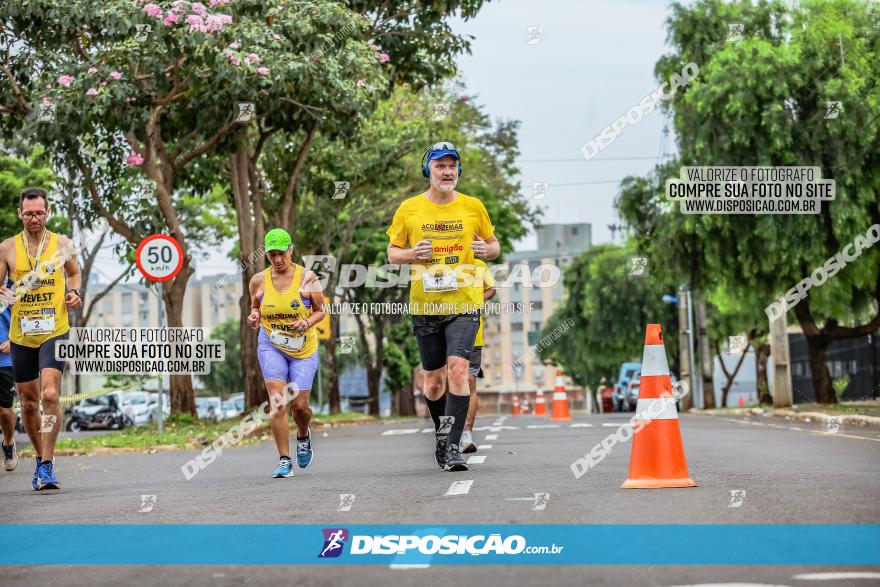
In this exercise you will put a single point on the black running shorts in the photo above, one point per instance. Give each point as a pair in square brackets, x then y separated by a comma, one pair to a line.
[7, 387]
[475, 367]
[440, 337]
[27, 362]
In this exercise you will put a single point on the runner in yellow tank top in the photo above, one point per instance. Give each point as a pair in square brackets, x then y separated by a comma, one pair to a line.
[286, 304]
[43, 265]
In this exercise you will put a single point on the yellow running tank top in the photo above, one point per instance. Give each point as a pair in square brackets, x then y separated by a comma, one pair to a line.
[39, 313]
[279, 310]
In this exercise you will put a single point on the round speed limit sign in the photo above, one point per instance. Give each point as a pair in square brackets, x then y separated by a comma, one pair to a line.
[159, 257]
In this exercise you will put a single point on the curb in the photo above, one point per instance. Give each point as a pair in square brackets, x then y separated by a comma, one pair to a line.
[193, 444]
[852, 419]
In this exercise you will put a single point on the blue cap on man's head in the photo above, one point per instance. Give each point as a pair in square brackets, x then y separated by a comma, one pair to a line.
[436, 151]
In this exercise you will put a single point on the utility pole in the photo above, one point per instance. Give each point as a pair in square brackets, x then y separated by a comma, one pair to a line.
[684, 347]
[781, 365]
[706, 361]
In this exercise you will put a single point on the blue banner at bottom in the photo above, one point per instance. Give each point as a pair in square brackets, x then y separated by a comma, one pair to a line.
[613, 544]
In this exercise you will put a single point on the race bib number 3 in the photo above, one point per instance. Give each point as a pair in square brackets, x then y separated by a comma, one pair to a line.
[440, 281]
[286, 341]
[37, 326]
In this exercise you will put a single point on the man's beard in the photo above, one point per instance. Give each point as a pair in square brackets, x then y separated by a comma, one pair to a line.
[443, 188]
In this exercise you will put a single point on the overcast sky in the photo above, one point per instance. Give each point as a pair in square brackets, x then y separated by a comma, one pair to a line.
[593, 61]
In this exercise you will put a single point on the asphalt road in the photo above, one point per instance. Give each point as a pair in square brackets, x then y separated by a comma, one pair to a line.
[790, 473]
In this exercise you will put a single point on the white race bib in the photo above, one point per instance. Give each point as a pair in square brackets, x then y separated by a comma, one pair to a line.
[439, 281]
[37, 326]
[286, 341]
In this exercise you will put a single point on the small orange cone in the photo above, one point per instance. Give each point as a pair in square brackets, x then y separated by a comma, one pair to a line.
[515, 406]
[657, 458]
[559, 409]
[540, 406]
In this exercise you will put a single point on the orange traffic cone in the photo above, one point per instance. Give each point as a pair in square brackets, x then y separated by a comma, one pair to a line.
[657, 458]
[515, 406]
[559, 409]
[742, 401]
[540, 406]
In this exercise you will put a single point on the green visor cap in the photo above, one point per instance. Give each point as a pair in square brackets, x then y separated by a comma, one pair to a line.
[277, 239]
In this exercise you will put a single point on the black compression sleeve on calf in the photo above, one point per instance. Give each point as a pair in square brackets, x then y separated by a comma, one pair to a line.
[457, 406]
[437, 407]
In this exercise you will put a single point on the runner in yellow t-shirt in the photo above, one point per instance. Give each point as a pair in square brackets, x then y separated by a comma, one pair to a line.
[46, 280]
[440, 234]
[486, 284]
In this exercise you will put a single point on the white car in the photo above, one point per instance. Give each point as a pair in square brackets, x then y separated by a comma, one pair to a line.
[136, 405]
[232, 408]
[209, 408]
[154, 406]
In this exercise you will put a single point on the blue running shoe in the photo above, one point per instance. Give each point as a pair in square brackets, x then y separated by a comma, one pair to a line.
[46, 476]
[304, 452]
[36, 472]
[285, 468]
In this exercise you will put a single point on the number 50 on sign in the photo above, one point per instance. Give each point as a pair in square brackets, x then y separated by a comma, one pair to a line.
[159, 257]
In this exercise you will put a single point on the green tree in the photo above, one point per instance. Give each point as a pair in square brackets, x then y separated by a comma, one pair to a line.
[610, 310]
[762, 101]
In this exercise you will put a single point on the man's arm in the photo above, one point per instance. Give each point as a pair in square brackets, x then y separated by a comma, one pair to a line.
[71, 265]
[494, 248]
[400, 256]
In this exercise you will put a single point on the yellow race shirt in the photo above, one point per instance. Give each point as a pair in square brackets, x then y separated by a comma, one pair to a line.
[280, 309]
[483, 281]
[39, 313]
[444, 284]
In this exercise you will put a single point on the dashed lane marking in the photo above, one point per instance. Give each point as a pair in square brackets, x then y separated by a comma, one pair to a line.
[460, 487]
[491, 437]
[400, 431]
[476, 460]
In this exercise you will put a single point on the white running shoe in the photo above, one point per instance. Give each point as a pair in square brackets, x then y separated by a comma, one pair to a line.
[467, 442]
[10, 457]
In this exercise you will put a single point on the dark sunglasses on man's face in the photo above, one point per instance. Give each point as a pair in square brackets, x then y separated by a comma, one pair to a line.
[37, 214]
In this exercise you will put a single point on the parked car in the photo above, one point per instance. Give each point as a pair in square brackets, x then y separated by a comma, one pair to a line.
[102, 412]
[632, 391]
[136, 405]
[209, 408]
[627, 370]
[154, 406]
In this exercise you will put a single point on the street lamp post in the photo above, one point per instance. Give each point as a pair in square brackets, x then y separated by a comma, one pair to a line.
[684, 301]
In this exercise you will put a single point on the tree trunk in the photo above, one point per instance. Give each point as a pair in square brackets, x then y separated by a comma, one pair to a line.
[822, 387]
[182, 396]
[705, 354]
[761, 368]
[333, 379]
[405, 401]
[374, 372]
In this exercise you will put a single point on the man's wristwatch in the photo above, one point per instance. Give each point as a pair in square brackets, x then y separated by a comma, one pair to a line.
[76, 291]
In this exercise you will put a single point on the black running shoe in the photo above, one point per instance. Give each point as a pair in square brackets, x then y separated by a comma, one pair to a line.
[454, 462]
[440, 450]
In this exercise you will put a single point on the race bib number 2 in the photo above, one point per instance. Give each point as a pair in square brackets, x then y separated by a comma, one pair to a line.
[37, 326]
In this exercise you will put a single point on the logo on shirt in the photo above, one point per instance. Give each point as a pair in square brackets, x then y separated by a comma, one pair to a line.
[294, 304]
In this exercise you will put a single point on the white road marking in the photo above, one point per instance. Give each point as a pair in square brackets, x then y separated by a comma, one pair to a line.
[400, 431]
[427, 430]
[491, 437]
[836, 576]
[581, 425]
[794, 428]
[460, 487]
[494, 428]
[843, 435]
[476, 460]
[485, 446]
[543, 426]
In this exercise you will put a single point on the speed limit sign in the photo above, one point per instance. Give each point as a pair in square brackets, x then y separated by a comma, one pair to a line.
[159, 257]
